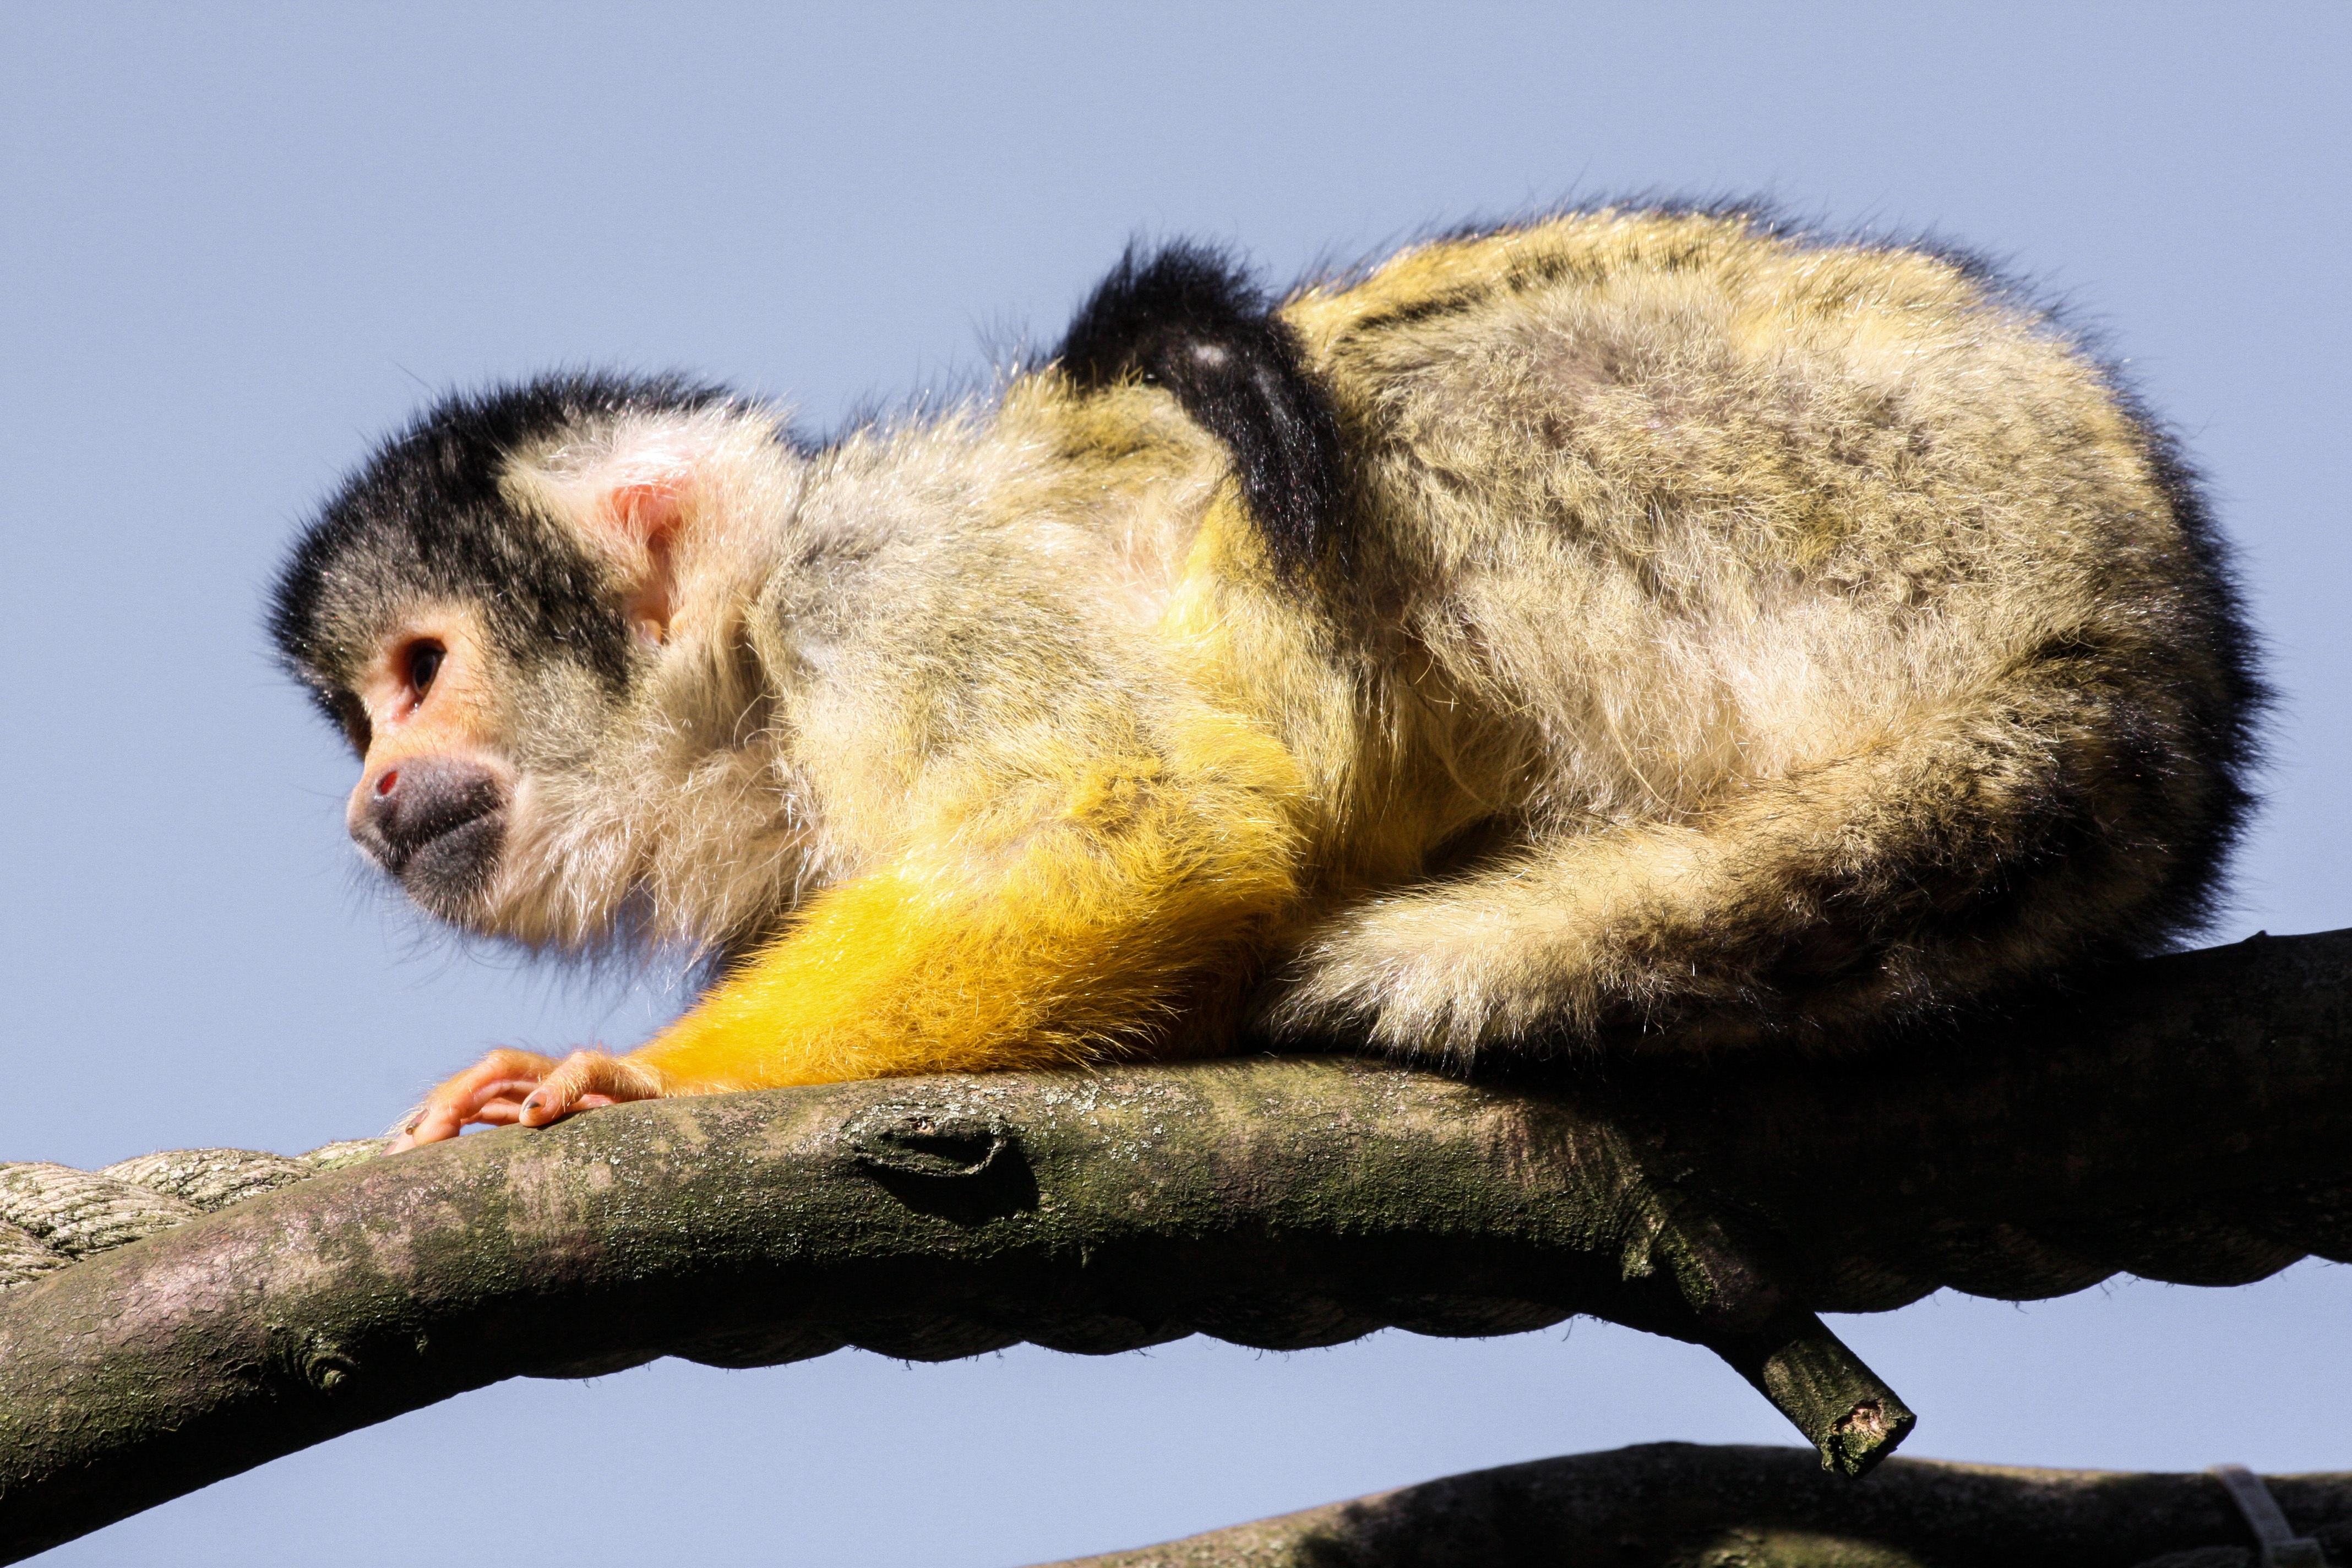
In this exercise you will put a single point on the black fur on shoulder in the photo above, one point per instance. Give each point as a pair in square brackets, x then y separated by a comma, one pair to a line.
[1188, 319]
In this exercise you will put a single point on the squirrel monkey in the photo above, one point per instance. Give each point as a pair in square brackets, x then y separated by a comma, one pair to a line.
[1641, 628]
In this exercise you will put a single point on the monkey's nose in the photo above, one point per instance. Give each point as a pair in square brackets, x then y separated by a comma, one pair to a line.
[421, 800]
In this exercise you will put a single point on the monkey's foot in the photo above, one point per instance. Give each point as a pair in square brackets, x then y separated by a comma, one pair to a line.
[508, 1087]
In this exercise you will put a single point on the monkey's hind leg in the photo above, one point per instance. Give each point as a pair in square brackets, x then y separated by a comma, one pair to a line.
[2062, 817]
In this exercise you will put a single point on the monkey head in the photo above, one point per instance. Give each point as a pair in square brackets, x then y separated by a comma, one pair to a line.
[524, 612]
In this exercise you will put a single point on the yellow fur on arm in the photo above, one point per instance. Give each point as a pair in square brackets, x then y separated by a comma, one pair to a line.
[1070, 938]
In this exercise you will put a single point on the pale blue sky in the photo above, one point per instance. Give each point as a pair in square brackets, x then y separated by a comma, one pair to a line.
[235, 242]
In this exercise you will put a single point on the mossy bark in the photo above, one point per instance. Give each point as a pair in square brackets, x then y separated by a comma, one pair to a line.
[2188, 1119]
[1679, 1505]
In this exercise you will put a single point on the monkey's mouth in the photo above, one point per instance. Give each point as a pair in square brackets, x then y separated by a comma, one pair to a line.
[449, 871]
[437, 827]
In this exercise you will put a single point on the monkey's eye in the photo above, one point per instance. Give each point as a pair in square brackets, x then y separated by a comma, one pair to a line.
[424, 663]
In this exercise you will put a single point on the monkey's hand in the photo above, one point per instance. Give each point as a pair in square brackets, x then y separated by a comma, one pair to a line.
[506, 1088]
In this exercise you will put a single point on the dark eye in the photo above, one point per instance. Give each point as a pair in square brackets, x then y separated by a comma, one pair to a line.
[423, 664]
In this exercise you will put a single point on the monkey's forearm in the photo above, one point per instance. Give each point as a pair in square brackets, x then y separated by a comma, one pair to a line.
[1075, 956]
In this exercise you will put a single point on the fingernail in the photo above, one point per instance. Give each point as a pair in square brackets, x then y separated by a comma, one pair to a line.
[532, 1102]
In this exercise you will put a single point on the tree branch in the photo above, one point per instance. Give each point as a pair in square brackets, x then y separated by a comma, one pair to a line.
[2186, 1119]
[1667, 1504]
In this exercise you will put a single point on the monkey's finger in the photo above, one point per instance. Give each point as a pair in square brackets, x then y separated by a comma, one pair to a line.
[587, 1080]
[442, 1120]
[471, 1103]
[502, 1075]
[435, 1126]
[506, 1112]
[499, 1104]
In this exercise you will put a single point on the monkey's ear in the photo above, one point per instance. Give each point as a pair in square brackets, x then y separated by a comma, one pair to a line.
[634, 505]
[636, 492]
[640, 519]
[645, 514]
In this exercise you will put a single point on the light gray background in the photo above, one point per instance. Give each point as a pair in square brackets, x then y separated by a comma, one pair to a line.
[241, 241]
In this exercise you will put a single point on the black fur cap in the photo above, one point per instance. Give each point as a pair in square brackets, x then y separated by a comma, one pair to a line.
[1188, 319]
[424, 518]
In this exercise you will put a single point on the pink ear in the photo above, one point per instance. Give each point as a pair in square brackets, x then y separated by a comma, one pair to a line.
[643, 517]
[644, 513]
[632, 505]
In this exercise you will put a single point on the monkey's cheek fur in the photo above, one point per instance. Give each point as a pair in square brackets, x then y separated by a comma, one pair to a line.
[448, 874]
